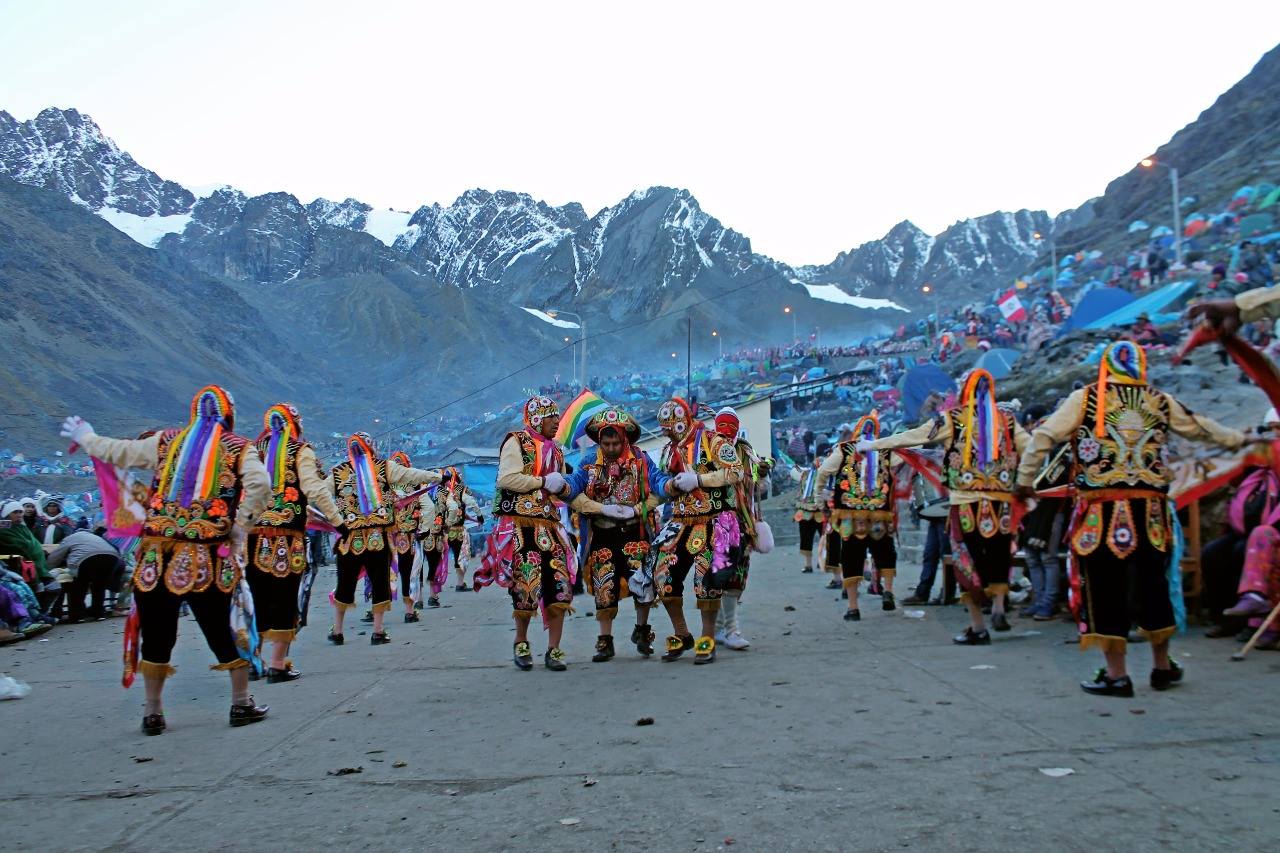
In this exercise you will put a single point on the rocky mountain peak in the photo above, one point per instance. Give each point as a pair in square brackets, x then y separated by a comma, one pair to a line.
[66, 151]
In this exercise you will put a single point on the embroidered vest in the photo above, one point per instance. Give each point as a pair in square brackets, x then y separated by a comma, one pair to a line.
[852, 493]
[288, 507]
[623, 490]
[1132, 452]
[997, 476]
[535, 504]
[809, 483]
[349, 501]
[710, 500]
[205, 521]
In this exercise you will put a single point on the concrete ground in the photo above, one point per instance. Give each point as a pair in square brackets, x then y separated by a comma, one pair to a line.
[826, 735]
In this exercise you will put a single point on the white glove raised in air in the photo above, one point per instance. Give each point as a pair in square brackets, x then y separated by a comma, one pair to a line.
[863, 445]
[76, 428]
[686, 481]
[617, 511]
[554, 482]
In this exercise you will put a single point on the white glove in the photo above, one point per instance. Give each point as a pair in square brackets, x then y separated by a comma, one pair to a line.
[239, 543]
[77, 429]
[863, 445]
[554, 482]
[617, 511]
[686, 481]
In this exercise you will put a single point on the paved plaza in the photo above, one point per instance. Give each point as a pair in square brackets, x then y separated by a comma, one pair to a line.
[825, 735]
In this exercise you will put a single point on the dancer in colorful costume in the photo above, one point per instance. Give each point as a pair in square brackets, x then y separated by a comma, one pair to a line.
[831, 564]
[278, 542]
[431, 543]
[616, 494]
[754, 470]
[404, 546]
[981, 444]
[865, 516]
[811, 506]
[209, 487]
[363, 486]
[1122, 527]
[528, 552]
[455, 503]
[704, 535]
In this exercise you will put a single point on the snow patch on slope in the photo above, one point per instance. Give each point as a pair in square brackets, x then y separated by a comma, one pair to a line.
[387, 225]
[832, 293]
[146, 230]
[547, 318]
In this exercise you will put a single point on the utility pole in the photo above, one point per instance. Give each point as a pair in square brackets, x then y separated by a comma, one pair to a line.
[688, 355]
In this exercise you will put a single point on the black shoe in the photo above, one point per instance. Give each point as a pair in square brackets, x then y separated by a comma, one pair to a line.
[367, 617]
[417, 605]
[153, 724]
[604, 649]
[807, 570]
[523, 656]
[971, 637]
[999, 621]
[275, 676]
[1104, 686]
[887, 602]
[379, 638]
[854, 615]
[433, 601]
[462, 587]
[554, 660]
[411, 617]
[336, 639]
[643, 637]
[833, 584]
[676, 646]
[704, 650]
[243, 715]
[1163, 679]
[914, 601]
[254, 675]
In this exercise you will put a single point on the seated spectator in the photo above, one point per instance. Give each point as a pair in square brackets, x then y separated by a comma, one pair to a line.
[56, 523]
[31, 518]
[92, 564]
[1144, 331]
[17, 539]
[1259, 588]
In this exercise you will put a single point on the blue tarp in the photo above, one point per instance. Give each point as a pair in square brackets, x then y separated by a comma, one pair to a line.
[998, 362]
[1156, 304]
[918, 383]
[1094, 305]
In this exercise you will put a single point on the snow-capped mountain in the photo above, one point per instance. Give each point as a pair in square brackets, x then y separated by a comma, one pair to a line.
[972, 255]
[642, 254]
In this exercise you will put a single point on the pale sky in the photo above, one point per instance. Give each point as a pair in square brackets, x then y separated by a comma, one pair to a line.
[809, 127]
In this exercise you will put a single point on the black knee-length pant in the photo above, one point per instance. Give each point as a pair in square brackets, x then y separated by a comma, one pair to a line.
[377, 565]
[158, 621]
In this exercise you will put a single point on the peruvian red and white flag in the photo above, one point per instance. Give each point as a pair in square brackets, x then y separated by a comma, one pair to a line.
[1011, 307]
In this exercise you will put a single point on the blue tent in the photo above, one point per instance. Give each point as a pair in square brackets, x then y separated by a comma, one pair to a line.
[1163, 306]
[1094, 305]
[998, 362]
[918, 383]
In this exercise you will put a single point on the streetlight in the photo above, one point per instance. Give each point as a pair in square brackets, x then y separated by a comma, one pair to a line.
[716, 335]
[795, 335]
[1151, 163]
[926, 289]
[1053, 258]
[582, 327]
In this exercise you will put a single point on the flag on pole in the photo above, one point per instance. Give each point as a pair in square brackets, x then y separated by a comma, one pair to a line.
[1011, 307]
[573, 423]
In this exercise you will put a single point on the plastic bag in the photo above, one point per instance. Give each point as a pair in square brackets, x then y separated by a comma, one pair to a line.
[11, 688]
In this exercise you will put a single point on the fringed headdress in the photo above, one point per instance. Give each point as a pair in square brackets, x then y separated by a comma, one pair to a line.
[868, 428]
[280, 425]
[980, 419]
[190, 470]
[363, 459]
[549, 455]
[1124, 363]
